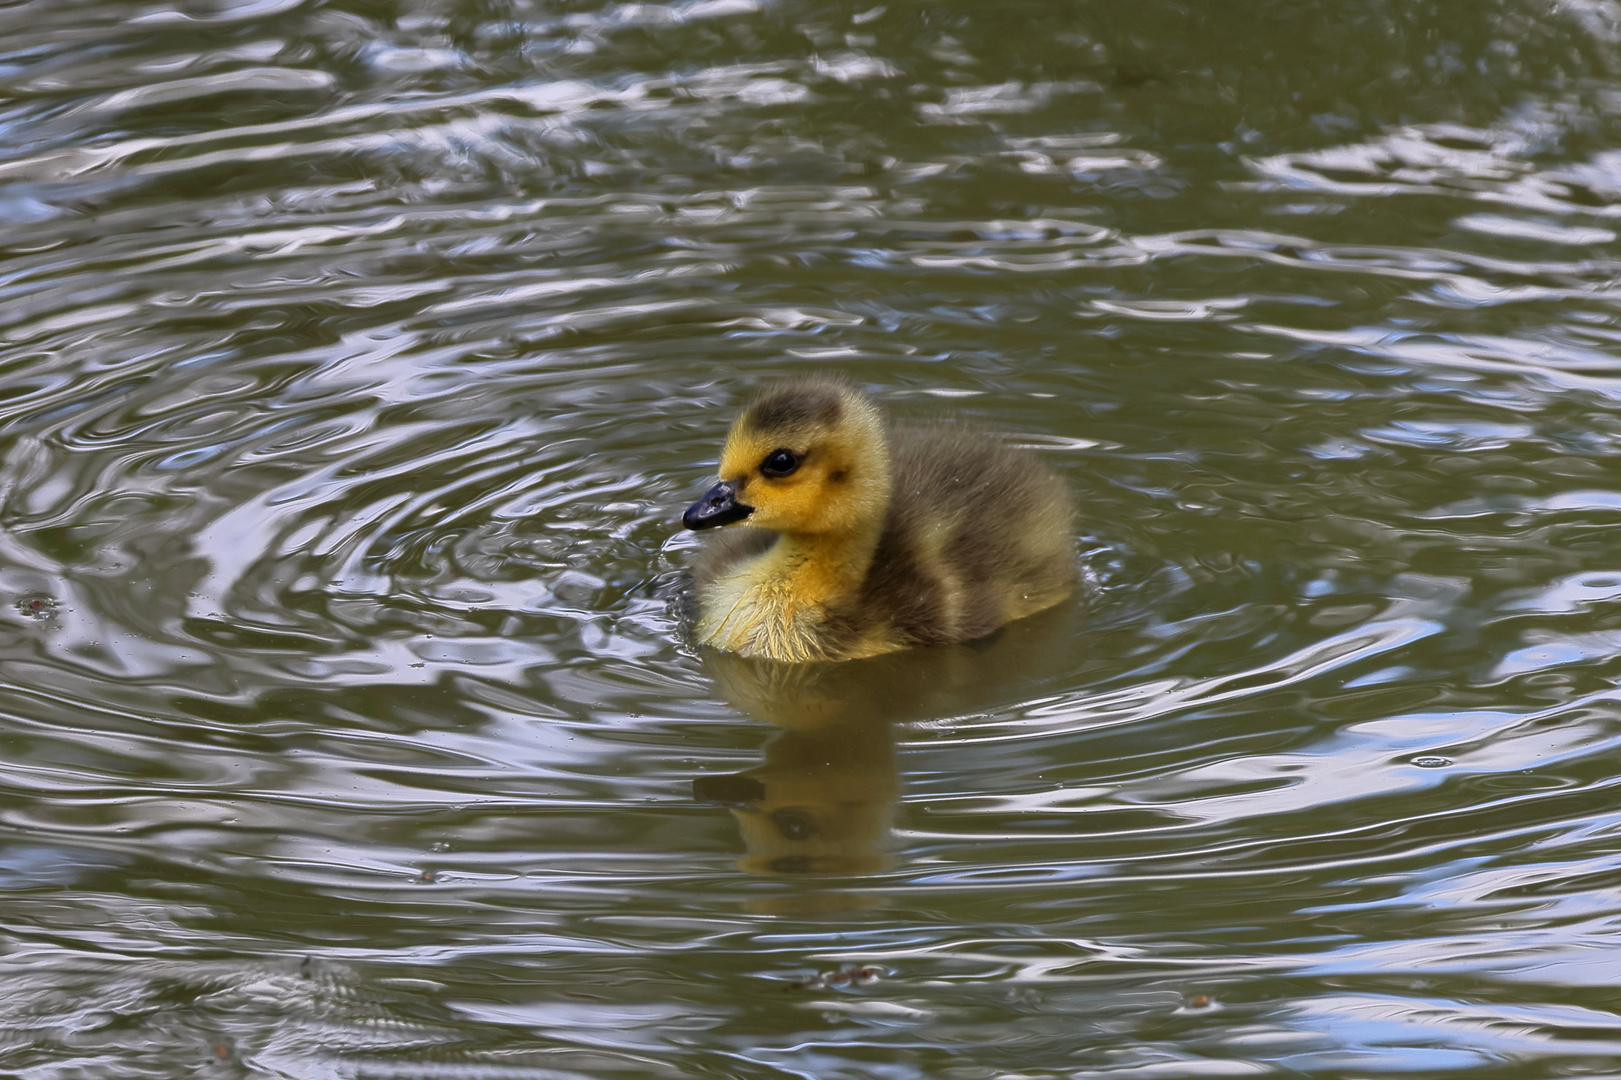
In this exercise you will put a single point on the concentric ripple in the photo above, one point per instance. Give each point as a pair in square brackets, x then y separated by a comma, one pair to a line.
[356, 359]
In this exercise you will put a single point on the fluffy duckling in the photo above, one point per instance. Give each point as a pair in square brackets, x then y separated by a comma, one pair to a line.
[863, 537]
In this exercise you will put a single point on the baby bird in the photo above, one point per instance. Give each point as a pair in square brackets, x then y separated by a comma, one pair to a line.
[859, 537]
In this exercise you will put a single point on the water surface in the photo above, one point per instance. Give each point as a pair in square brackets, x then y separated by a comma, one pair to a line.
[357, 358]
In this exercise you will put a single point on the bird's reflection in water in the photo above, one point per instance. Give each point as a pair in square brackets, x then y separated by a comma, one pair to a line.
[823, 802]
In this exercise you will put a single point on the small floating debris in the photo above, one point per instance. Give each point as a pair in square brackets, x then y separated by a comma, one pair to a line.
[850, 976]
[37, 607]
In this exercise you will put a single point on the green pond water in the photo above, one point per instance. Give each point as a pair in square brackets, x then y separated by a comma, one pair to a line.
[357, 359]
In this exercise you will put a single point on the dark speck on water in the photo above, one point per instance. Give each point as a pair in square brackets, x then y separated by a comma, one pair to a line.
[357, 359]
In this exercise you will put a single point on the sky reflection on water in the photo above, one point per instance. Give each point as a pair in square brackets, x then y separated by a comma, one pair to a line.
[356, 359]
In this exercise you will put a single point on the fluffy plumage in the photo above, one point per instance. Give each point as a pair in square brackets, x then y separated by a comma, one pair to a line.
[852, 536]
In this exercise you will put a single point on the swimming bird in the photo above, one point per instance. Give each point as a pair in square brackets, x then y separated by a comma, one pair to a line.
[853, 536]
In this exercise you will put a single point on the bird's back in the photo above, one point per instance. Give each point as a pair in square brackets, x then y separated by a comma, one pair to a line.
[977, 533]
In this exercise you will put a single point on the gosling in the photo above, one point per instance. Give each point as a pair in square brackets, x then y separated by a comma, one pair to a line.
[859, 537]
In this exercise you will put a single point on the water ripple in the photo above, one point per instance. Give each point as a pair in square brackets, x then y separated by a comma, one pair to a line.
[356, 361]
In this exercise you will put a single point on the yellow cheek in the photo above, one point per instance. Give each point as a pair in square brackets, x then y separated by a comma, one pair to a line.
[783, 505]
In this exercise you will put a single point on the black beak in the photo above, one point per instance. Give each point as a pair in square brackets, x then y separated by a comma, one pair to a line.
[719, 506]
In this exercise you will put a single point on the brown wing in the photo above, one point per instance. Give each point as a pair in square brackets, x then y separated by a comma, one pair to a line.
[977, 533]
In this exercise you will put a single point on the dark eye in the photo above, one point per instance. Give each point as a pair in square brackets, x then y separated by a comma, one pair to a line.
[779, 463]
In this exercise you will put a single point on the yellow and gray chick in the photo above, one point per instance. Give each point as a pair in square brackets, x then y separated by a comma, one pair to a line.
[853, 536]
